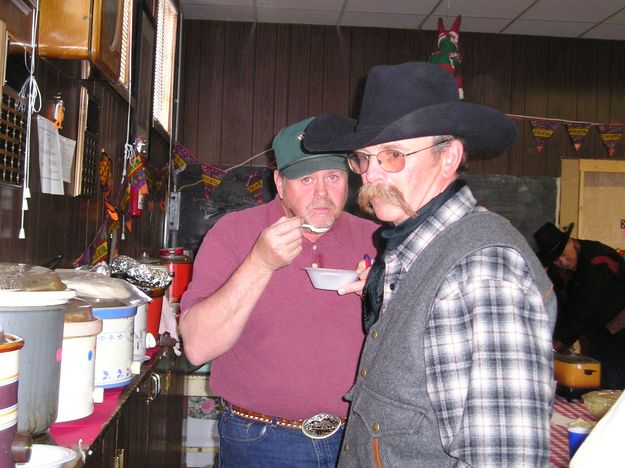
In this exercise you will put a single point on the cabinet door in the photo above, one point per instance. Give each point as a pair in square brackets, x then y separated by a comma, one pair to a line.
[134, 431]
[166, 421]
[83, 29]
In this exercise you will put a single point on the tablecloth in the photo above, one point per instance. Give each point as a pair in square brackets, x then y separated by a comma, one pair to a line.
[559, 443]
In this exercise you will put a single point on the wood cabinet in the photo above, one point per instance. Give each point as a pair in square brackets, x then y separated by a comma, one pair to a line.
[592, 197]
[83, 29]
[146, 431]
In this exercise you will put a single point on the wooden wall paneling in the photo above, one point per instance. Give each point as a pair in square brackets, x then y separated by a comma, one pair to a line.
[265, 74]
[617, 87]
[493, 79]
[474, 78]
[603, 98]
[38, 214]
[238, 94]
[403, 46]
[291, 43]
[210, 110]
[193, 45]
[357, 71]
[298, 68]
[536, 61]
[559, 103]
[517, 104]
[317, 70]
[590, 67]
[336, 71]
[376, 48]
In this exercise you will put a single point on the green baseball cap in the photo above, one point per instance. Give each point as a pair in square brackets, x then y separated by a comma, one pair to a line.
[294, 162]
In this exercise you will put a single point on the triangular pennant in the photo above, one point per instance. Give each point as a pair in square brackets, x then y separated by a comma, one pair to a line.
[100, 245]
[254, 186]
[83, 259]
[542, 131]
[181, 157]
[136, 174]
[211, 178]
[611, 134]
[577, 132]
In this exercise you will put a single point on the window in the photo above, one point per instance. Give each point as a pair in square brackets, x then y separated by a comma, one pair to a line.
[166, 22]
[124, 66]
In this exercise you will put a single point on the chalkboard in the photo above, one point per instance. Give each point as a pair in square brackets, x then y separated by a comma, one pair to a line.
[526, 201]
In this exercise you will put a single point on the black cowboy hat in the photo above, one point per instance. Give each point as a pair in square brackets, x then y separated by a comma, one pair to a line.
[411, 100]
[551, 242]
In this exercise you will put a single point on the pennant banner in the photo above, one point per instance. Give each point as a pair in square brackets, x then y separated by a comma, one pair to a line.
[181, 158]
[254, 186]
[578, 133]
[211, 178]
[100, 243]
[542, 131]
[611, 135]
[136, 174]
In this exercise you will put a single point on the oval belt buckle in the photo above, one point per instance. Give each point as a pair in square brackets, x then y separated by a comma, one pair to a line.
[321, 425]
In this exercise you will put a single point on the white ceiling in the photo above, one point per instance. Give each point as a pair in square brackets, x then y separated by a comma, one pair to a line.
[588, 19]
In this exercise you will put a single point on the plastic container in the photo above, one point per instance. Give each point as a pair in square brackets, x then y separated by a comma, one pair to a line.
[329, 278]
[599, 402]
[49, 456]
[114, 346]
[180, 267]
[37, 317]
[78, 364]
[9, 373]
[155, 310]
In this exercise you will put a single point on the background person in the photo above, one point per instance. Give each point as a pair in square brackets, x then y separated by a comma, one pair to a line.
[281, 350]
[457, 364]
[591, 298]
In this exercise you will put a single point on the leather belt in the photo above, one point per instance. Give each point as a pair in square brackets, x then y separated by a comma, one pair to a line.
[319, 426]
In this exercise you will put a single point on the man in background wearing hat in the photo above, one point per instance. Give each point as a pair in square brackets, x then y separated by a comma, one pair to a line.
[592, 298]
[282, 351]
[457, 364]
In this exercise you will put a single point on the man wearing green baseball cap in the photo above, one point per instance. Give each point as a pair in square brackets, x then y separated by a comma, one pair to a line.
[283, 352]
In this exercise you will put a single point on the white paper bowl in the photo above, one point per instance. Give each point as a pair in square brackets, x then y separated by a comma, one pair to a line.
[49, 456]
[330, 278]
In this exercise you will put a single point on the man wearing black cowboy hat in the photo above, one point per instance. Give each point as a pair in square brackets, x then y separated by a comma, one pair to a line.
[592, 298]
[457, 364]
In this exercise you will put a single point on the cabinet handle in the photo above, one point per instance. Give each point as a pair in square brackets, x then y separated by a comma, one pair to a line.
[118, 460]
[155, 388]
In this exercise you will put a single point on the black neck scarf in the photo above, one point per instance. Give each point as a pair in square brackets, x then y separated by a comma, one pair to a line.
[387, 238]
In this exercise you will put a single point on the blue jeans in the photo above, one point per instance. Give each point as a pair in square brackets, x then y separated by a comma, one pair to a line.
[245, 443]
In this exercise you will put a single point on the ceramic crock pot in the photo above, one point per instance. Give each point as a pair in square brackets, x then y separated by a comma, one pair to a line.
[140, 328]
[78, 364]
[9, 355]
[114, 346]
[37, 317]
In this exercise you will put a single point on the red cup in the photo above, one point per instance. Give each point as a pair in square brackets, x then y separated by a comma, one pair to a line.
[155, 308]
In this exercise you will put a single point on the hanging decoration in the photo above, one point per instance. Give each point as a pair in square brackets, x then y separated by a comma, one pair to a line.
[542, 131]
[448, 54]
[543, 128]
[181, 157]
[211, 178]
[610, 136]
[577, 132]
[254, 186]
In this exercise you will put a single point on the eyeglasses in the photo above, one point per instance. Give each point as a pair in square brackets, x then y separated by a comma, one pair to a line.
[389, 160]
